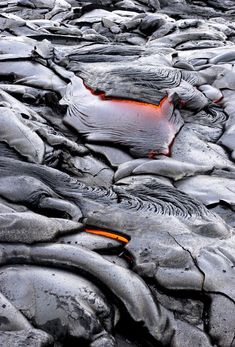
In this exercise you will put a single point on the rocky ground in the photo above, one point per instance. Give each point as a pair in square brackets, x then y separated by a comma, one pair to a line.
[117, 191]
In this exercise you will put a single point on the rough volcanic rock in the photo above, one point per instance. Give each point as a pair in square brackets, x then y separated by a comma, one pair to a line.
[117, 195]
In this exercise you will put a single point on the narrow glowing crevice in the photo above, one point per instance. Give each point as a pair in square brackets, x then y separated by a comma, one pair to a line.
[108, 234]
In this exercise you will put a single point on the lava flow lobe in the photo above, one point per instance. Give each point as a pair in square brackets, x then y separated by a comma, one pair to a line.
[146, 129]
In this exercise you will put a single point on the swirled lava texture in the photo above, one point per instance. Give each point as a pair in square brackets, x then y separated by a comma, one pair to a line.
[145, 129]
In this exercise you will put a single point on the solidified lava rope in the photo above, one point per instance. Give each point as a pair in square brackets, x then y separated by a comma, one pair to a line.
[108, 234]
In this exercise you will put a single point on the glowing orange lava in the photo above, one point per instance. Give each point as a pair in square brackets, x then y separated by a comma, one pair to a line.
[144, 128]
[104, 97]
[108, 234]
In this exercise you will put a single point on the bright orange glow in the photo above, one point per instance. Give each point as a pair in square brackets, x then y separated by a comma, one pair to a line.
[118, 108]
[103, 96]
[108, 234]
[138, 103]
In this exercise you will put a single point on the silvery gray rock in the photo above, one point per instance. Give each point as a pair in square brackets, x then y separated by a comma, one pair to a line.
[117, 173]
[24, 338]
[203, 188]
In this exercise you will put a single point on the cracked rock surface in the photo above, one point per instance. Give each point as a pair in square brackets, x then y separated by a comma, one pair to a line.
[117, 193]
